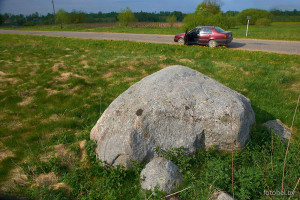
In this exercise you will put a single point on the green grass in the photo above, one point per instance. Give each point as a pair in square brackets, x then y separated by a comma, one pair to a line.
[277, 31]
[50, 94]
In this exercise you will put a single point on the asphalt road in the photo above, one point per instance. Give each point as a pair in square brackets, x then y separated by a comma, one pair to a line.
[285, 47]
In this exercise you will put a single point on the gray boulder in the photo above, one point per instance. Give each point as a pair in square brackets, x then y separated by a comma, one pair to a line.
[279, 128]
[174, 107]
[163, 173]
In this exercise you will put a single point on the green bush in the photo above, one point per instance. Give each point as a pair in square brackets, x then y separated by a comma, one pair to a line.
[62, 17]
[77, 17]
[255, 15]
[171, 20]
[126, 17]
[263, 22]
[207, 19]
[31, 23]
[202, 17]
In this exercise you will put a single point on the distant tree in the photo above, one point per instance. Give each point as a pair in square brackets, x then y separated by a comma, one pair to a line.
[1, 19]
[62, 17]
[18, 19]
[179, 15]
[126, 17]
[171, 20]
[77, 17]
[230, 13]
[255, 15]
[275, 12]
[32, 16]
[208, 13]
[212, 6]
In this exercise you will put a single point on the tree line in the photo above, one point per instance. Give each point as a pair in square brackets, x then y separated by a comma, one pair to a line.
[81, 17]
[207, 12]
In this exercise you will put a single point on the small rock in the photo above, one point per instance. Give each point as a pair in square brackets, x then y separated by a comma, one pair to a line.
[221, 196]
[279, 128]
[163, 173]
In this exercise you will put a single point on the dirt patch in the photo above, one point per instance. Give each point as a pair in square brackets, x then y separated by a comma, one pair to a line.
[83, 151]
[26, 101]
[46, 179]
[162, 66]
[18, 59]
[67, 49]
[11, 81]
[144, 72]
[129, 79]
[16, 177]
[84, 63]
[129, 64]
[52, 118]
[2, 73]
[107, 75]
[57, 66]
[62, 187]
[162, 57]
[74, 89]
[184, 60]
[295, 87]
[64, 76]
[51, 92]
[14, 125]
[4, 152]
[222, 64]
[61, 151]
[244, 72]
[242, 90]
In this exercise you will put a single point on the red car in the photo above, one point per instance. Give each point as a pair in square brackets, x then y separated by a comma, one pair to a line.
[205, 35]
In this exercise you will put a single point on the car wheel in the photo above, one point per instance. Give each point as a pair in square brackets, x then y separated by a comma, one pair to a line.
[212, 43]
[181, 41]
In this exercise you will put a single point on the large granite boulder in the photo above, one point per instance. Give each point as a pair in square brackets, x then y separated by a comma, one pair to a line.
[174, 107]
[162, 173]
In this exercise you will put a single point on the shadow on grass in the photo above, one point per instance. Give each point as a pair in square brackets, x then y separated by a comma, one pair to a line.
[11, 197]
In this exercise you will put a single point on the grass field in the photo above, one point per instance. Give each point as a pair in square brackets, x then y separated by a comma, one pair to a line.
[277, 31]
[53, 90]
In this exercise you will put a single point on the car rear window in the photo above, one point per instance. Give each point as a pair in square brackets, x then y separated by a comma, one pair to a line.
[206, 31]
[219, 29]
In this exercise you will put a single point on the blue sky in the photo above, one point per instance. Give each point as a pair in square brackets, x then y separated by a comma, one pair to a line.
[45, 6]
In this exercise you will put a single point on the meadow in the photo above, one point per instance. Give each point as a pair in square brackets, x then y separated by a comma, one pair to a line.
[53, 90]
[277, 30]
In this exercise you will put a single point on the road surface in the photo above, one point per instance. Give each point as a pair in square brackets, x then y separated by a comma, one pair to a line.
[285, 47]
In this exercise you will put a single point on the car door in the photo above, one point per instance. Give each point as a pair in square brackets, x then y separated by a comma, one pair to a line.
[193, 36]
[205, 35]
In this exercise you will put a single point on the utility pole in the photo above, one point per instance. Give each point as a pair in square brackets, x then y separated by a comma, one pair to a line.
[53, 11]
